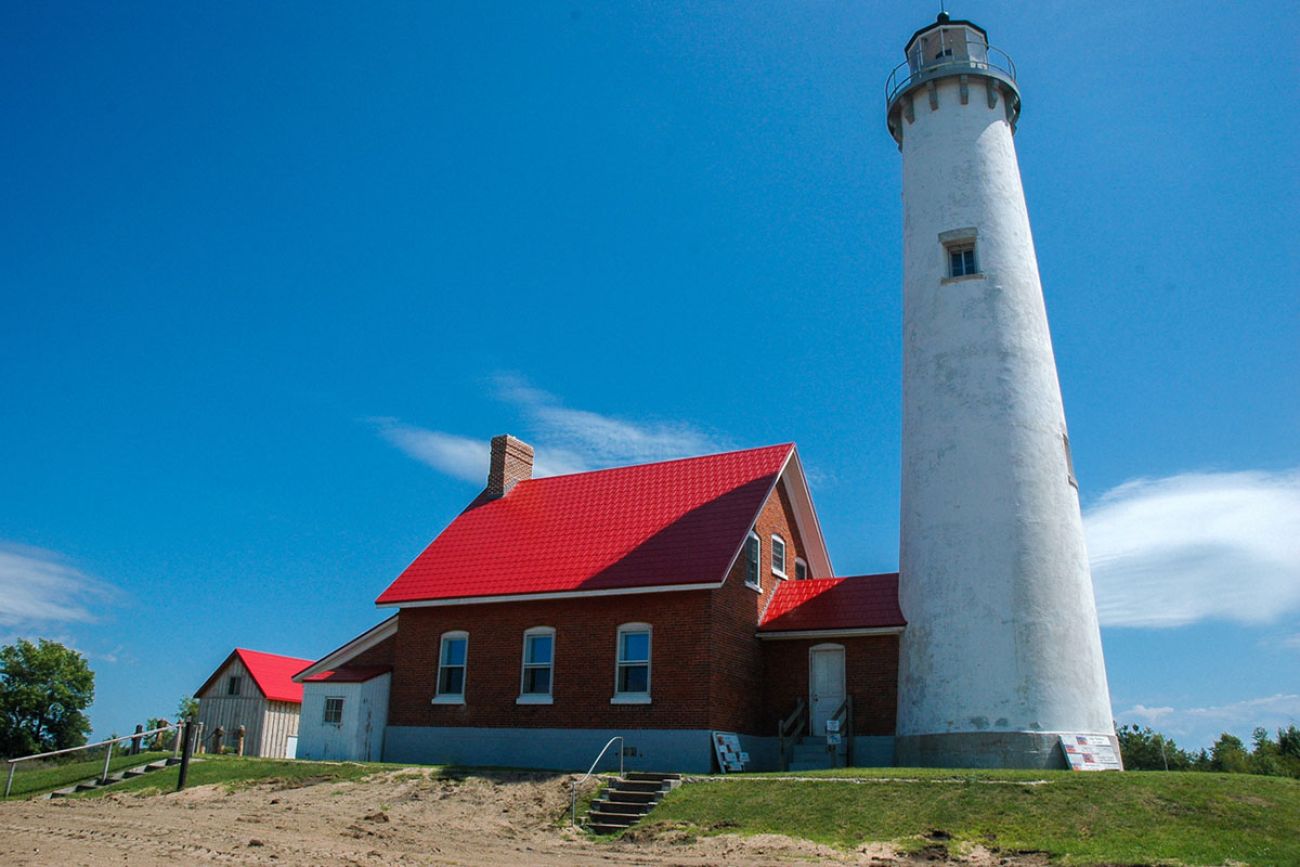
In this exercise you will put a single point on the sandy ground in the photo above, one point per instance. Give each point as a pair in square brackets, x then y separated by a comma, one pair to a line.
[403, 817]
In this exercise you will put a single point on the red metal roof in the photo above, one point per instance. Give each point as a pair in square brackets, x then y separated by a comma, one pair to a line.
[274, 674]
[349, 674]
[671, 523]
[865, 602]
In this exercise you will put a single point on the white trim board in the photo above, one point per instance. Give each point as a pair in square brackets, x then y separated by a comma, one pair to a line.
[831, 633]
[357, 646]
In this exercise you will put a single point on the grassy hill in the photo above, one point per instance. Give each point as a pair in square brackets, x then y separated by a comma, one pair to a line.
[1130, 818]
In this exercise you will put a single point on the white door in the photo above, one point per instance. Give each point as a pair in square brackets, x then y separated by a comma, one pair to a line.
[291, 747]
[825, 684]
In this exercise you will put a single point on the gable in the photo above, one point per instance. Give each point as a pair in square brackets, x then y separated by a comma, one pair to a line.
[266, 673]
[671, 525]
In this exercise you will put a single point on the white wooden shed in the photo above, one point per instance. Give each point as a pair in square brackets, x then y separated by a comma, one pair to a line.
[345, 698]
[255, 690]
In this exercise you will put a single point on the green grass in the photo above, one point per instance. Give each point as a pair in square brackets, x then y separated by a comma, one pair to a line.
[236, 771]
[1129, 818]
[47, 778]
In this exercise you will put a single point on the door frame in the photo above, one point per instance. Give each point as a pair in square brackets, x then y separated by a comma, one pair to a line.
[824, 647]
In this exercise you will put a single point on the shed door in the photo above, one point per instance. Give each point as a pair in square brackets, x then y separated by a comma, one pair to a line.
[825, 684]
[291, 747]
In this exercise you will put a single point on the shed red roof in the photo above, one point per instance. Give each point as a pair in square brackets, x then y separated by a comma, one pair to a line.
[349, 674]
[671, 523]
[866, 602]
[273, 674]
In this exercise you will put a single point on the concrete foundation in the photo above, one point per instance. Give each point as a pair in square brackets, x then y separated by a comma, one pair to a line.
[685, 750]
[1038, 750]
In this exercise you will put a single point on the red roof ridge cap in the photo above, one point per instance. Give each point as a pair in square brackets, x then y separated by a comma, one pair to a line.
[788, 445]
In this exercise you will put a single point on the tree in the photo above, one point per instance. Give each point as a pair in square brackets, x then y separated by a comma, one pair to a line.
[45, 689]
[188, 709]
[1147, 750]
[1229, 755]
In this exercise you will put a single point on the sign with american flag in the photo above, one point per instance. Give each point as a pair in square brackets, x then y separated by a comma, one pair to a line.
[1090, 753]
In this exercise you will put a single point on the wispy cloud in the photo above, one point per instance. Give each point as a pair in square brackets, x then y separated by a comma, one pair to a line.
[457, 456]
[566, 440]
[39, 588]
[1195, 727]
[1197, 546]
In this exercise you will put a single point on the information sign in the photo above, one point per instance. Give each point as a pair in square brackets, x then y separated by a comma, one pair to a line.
[730, 757]
[1090, 753]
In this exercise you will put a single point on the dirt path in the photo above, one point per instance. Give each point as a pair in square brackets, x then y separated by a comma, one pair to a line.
[402, 817]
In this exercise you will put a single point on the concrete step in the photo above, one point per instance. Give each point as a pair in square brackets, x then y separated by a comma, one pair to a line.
[602, 828]
[632, 797]
[648, 786]
[607, 806]
[603, 818]
[650, 777]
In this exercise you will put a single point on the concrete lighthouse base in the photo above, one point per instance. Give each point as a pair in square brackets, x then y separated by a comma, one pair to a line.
[1034, 750]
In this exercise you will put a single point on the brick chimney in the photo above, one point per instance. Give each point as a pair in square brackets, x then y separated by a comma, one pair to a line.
[512, 462]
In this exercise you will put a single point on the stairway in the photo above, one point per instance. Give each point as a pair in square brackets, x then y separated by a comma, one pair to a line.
[628, 799]
[116, 777]
[811, 754]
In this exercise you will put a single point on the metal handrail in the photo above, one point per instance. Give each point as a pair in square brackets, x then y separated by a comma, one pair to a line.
[108, 754]
[994, 59]
[573, 784]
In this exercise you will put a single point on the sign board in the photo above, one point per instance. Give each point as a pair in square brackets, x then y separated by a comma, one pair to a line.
[1090, 753]
[833, 739]
[832, 725]
[726, 746]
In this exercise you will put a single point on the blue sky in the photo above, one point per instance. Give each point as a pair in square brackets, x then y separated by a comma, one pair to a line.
[272, 275]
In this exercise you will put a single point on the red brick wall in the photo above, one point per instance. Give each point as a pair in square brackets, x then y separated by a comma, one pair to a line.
[870, 676]
[736, 687]
[382, 653]
[583, 673]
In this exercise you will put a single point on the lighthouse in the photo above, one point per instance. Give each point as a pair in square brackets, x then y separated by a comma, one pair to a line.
[1002, 651]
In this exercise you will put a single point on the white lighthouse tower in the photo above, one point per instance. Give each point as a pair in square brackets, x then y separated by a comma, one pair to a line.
[1002, 652]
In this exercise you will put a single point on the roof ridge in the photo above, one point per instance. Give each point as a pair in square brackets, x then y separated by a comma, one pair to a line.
[665, 462]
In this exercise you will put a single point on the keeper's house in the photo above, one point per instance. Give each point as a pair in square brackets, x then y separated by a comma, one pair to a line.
[660, 602]
[255, 690]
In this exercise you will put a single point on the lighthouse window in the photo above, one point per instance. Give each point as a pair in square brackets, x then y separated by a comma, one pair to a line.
[961, 260]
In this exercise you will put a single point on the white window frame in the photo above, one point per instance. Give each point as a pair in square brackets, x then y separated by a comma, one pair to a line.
[451, 698]
[957, 241]
[757, 583]
[325, 714]
[777, 540]
[799, 561]
[960, 249]
[537, 697]
[619, 662]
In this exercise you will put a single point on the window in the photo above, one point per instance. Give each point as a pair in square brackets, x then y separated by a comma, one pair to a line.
[961, 260]
[800, 569]
[1069, 462]
[959, 251]
[235, 686]
[778, 556]
[539, 661]
[451, 668]
[334, 711]
[752, 562]
[632, 677]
